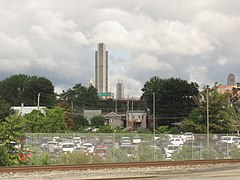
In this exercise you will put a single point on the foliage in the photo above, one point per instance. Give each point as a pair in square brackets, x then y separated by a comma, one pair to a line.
[210, 154]
[52, 121]
[166, 130]
[74, 158]
[4, 157]
[80, 122]
[22, 88]
[69, 119]
[106, 129]
[12, 133]
[97, 121]
[81, 96]
[223, 117]
[5, 110]
[186, 153]
[173, 98]
[235, 153]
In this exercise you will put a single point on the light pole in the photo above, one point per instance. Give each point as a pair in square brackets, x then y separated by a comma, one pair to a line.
[154, 124]
[207, 118]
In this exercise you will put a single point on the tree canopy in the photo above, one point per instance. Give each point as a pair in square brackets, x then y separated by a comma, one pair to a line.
[81, 96]
[173, 98]
[223, 115]
[22, 88]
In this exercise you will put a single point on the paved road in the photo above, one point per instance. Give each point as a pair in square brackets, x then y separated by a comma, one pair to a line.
[211, 174]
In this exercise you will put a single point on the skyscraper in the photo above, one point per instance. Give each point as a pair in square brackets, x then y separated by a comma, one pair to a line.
[101, 68]
[231, 80]
[120, 90]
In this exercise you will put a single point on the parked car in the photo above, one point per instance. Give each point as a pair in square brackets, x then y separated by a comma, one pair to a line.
[100, 151]
[125, 141]
[170, 150]
[90, 147]
[68, 147]
[189, 136]
[176, 141]
[77, 140]
[136, 140]
[228, 139]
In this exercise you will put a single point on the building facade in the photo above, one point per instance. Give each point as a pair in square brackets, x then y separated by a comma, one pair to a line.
[231, 80]
[120, 90]
[101, 68]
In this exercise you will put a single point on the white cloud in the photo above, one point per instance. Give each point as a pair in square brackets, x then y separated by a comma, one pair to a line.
[196, 40]
[199, 74]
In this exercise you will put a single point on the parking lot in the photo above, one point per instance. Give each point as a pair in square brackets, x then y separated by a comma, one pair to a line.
[114, 147]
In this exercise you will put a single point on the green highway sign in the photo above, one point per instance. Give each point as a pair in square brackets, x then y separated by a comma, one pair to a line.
[105, 94]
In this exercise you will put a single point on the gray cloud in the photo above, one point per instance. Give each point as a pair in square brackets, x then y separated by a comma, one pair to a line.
[194, 40]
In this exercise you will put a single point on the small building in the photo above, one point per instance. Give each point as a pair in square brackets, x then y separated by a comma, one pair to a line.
[23, 110]
[113, 119]
[89, 114]
[136, 119]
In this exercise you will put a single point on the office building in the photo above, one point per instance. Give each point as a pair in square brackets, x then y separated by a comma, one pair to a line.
[101, 69]
[120, 90]
[231, 80]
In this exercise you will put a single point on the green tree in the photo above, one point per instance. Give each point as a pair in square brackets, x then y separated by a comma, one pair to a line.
[51, 121]
[5, 110]
[22, 88]
[69, 115]
[173, 98]
[223, 116]
[97, 121]
[80, 122]
[12, 132]
[81, 96]
[35, 122]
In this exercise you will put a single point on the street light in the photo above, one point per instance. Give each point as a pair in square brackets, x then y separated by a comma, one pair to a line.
[207, 118]
[154, 124]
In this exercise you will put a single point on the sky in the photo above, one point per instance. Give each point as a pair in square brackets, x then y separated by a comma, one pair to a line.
[197, 41]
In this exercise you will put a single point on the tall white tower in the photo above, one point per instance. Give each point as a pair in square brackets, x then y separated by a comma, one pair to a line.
[120, 90]
[101, 68]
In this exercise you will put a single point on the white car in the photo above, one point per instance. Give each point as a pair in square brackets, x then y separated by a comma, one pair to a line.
[188, 136]
[170, 149]
[90, 147]
[176, 141]
[68, 147]
[136, 140]
[125, 141]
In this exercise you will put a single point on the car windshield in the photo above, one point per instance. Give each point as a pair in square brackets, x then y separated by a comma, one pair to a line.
[68, 146]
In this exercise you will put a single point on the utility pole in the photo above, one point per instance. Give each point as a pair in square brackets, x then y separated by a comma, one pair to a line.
[38, 101]
[154, 124]
[127, 117]
[207, 117]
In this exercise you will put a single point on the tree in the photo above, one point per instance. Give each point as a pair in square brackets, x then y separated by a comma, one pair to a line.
[12, 132]
[5, 110]
[51, 121]
[22, 88]
[80, 122]
[223, 116]
[97, 121]
[173, 98]
[68, 115]
[81, 96]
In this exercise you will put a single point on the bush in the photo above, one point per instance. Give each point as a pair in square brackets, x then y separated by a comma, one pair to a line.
[4, 157]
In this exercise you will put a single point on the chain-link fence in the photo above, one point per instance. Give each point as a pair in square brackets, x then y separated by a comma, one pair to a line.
[70, 148]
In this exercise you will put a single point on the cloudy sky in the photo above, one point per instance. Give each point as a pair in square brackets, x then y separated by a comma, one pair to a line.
[195, 40]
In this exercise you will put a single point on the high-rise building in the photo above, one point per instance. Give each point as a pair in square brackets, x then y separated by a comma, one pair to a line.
[120, 90]
[101, 68]
[231, 80]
